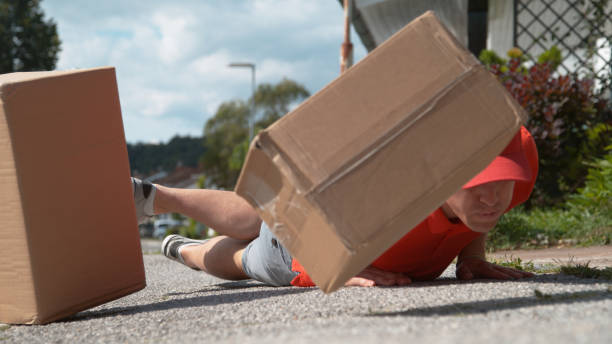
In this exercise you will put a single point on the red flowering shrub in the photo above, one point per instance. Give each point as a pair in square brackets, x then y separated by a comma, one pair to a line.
[569, 119]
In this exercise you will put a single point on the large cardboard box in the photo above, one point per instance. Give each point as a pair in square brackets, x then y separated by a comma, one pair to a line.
[68, 232]
[356, 166]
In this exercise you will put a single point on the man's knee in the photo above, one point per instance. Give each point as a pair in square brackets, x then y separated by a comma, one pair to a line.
[223, 258]
[246, 226]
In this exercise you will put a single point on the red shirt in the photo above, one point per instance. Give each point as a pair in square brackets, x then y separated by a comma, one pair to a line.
[429, 248]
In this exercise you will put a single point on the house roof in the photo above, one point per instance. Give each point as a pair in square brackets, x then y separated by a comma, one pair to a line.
[181, 177]
[376, 20]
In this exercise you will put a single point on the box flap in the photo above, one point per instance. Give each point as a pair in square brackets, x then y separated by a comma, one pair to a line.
[17, 297]
[18, 77]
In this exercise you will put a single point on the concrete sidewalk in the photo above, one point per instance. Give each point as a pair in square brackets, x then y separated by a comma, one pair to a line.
[180, 305]
[596, 256]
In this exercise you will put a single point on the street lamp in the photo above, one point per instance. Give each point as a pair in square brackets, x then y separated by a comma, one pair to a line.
[252, 66]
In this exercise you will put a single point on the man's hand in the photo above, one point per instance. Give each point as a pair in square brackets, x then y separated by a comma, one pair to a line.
[470, 268]
[372, 276]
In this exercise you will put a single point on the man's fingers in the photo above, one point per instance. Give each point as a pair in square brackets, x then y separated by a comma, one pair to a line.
[523, 274]
[464, 273]
[404, 280]
[388, 278]
[481, 269]
[381, 277]
[516, 274]
[385, 280]
[505, 273]
[359, 282]
[498, 272]
[528, 274]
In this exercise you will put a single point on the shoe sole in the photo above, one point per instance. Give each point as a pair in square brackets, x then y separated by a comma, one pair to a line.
[164, 245]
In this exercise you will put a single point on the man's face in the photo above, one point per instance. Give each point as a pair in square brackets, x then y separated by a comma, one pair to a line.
[480, 207]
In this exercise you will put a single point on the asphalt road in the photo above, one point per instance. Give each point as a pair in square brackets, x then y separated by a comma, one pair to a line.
[180, 305]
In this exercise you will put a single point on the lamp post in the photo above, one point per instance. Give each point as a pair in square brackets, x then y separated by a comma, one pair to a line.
[252, 66]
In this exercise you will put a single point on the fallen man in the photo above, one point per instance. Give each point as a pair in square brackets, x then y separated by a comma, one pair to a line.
[247, 249]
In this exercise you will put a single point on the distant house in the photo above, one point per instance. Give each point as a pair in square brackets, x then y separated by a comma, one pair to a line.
[183, 177]
[581, 29]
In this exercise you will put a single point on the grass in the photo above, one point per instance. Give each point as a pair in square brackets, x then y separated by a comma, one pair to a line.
[551, 227]
[580, 270]
[585, 271]
[584, 219]
[516, 263]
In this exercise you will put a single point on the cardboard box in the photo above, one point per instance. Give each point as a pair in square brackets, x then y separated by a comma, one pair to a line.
[357, 165]
[68, 232]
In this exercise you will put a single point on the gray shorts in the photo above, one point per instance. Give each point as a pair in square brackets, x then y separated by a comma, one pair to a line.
[266, 260]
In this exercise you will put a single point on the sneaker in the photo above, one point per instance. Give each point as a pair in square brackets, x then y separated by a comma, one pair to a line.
[172, 245]
[144, 194]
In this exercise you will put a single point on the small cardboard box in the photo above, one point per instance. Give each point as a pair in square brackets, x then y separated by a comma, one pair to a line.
[356, 166]
[68, 232]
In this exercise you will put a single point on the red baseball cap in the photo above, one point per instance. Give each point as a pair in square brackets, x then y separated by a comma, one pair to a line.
[511, 164]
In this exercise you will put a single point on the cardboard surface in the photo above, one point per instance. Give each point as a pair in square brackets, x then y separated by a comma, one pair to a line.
[68, 232]
[356, 166]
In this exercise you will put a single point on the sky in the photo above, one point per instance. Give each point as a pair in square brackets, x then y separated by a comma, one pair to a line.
[171, 57]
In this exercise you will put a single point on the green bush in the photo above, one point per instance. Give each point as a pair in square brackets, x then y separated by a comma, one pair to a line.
[552, 57]
[597, 191]
[586, 218]
[489, 57]
[513, 231]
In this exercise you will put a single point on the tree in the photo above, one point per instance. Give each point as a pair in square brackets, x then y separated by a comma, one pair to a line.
[226, 134]
[273, 101]
[227, 129]
[28, 41]
[148, 158]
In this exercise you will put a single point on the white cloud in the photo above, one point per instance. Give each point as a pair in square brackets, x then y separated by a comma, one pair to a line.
[172, 57]
[210, 101]
[213, 66]
[176, 27]
[90, 52]
[154, 102]
[278, 69]
[287, 11]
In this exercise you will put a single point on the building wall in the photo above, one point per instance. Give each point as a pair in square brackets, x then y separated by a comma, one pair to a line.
[500, 23]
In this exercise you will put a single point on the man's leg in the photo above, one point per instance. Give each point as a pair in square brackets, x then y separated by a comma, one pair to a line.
[263, 258]
[224, 211]
[220, 256]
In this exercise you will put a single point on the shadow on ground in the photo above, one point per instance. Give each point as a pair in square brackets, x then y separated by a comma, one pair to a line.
[234, 292]
[557, 278]
[197, 301]
[483, 307]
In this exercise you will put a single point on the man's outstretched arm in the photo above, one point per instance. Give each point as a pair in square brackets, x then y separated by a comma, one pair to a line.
[471, 263]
